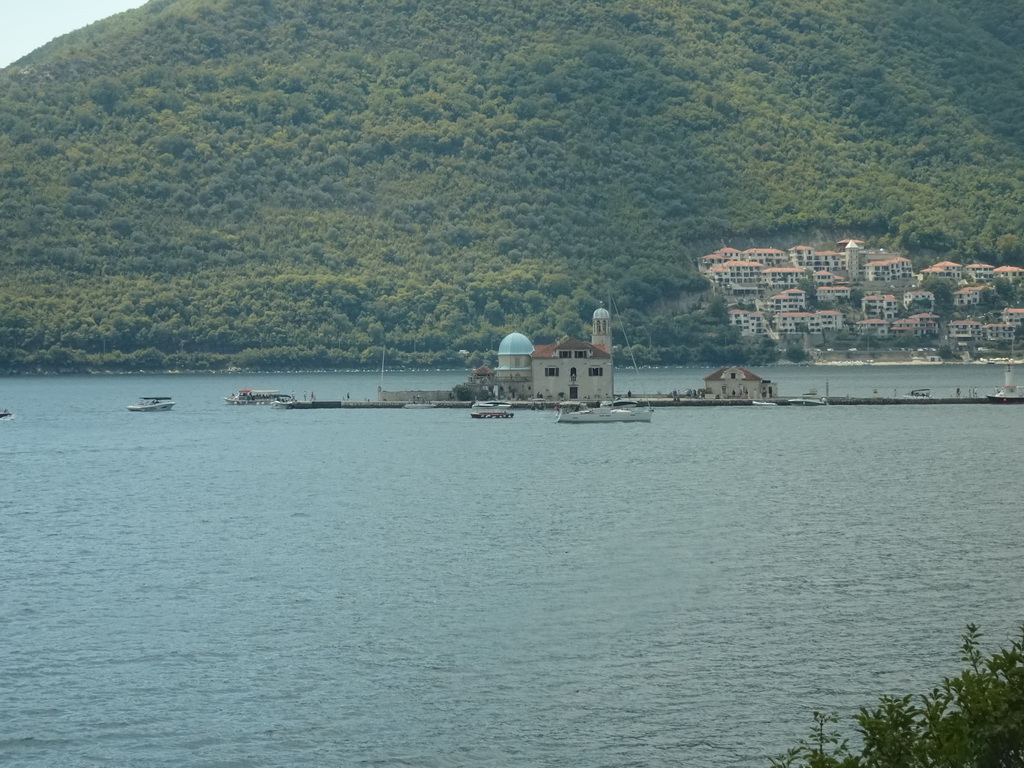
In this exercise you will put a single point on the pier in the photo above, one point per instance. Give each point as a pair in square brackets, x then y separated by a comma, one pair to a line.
[657, 401]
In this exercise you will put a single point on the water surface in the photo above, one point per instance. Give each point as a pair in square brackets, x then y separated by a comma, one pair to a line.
[221, 586]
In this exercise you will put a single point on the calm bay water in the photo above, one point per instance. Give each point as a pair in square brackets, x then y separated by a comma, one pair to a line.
[222, 586]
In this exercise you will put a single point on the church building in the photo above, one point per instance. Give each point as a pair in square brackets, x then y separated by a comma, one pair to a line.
[569, 369]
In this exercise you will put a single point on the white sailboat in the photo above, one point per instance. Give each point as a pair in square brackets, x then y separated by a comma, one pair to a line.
[611, 411]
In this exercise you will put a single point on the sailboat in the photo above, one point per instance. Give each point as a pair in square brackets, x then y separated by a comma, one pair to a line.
[611, 411]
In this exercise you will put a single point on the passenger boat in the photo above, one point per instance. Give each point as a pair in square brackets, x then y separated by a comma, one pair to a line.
[254, 397]
[1009, 393]
[152, 404]
[491, 409]
[918, 394]
[605, 413]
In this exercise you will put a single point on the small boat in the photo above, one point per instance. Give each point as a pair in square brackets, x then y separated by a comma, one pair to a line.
[6, 414]
[254, 397]
[1009, 393]
[492, 409]
[808, 398]
[283, 401]
[762, 402]
[918, 394]
[152, 404]
[417, 404]
[622, 411]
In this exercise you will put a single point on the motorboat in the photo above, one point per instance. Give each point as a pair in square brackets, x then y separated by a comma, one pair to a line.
[1009, 393]
[492, 409]
[6, 414]
[419, 404]
[808, 398]
[918, 394]
[283, 401]
[254, 397]
[152, 404]
[762, 402]
[607, 412]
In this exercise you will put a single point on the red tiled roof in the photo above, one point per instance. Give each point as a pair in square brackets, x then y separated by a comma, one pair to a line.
[548, 351]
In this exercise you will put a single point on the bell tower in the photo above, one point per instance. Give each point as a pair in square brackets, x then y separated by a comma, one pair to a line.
[601, 330]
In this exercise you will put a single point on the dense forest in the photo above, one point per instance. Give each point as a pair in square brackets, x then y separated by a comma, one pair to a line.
[293, 183]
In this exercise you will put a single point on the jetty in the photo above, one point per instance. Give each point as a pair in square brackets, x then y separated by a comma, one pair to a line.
[658, 401]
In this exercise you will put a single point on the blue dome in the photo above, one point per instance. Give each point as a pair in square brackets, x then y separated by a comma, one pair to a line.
[515, 344]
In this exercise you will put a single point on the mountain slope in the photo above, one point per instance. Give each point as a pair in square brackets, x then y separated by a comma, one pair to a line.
[293, 182]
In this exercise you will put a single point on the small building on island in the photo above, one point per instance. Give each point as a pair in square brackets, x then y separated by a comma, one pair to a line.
[734, 382]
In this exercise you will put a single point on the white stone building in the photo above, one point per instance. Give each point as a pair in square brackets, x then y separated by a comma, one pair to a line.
[568, 369]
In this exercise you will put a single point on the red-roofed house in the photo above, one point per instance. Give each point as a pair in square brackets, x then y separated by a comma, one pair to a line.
[1008, 273]
[879, 305]
[922, 324]
[921, 298]
[980, 272]
[770, 257]
[833, 293]
[1000, 331]
[793, 300]
[873, 326]
[749, 323]
[735, 382]
[830, 320]
[824, 277]
[969, 296]
[944, 270]
[1014, 315]
[782, 277]
[796, 322]
[886, 270]
[965, 330]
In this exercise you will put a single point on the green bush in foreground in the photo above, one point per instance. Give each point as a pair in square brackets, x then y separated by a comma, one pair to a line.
[974, 720]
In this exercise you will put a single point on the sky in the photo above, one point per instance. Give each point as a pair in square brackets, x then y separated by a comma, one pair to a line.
[29, 24]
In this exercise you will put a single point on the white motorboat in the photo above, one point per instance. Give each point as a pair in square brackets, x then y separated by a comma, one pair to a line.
[809, 398]
[1009, 393]
[283, 401]
[6, 414]
[762, 402]
[607, 412]
[491, 409]
[254, 397]
[152, 404]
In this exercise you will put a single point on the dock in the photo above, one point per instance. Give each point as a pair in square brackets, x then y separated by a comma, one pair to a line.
[657, 401]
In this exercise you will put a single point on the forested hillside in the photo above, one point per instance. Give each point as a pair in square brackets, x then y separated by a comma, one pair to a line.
[292, 183]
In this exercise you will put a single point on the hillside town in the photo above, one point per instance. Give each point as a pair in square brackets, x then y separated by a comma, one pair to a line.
[803, 292]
